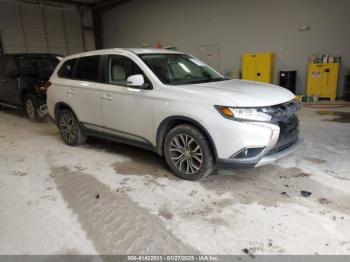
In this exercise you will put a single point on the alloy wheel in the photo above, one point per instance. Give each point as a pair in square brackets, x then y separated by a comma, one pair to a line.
[186, 154]
[68, 126]
[30, 109]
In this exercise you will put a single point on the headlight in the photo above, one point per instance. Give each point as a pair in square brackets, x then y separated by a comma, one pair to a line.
[243, 114]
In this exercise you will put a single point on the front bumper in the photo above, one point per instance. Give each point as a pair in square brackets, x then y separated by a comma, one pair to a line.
[281, 138]
[267, 159]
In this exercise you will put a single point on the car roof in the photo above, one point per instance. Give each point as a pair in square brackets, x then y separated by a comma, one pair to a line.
[152, 51]
[124, 50]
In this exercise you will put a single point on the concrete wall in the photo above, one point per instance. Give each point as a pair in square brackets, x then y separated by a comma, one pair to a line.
[236, 26]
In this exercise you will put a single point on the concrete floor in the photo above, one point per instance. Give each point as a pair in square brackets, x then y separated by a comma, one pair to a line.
[109, 198]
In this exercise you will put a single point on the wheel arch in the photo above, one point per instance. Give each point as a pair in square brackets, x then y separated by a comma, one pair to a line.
[61, 106]
[169, 123]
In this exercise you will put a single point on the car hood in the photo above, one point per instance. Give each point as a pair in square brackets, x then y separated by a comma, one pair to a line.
[245, 93]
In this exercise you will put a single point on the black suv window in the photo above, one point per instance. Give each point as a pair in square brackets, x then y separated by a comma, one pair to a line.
[88, 68]
[67, 69]
[120, 68]
[37, 64]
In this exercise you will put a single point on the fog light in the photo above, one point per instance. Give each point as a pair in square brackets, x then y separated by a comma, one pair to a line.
[247, 153]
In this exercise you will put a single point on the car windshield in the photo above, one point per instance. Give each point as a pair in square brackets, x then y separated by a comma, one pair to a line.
[37, 65]
[180, 69]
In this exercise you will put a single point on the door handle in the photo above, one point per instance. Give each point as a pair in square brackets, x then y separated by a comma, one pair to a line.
[70, 92]
[3, 80]
[106, 97]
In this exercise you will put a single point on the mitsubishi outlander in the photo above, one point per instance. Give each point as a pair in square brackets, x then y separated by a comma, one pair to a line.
[173, 104]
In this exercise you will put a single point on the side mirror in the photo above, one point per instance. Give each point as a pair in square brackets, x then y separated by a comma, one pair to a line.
[136, 81]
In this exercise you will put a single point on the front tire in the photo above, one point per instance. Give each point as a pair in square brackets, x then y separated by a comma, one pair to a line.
[70, 129]
[188, 153]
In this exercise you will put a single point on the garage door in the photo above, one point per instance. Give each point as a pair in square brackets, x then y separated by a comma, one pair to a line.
[25, 28]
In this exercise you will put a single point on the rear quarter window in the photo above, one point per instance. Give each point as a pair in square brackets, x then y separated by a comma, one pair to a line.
[67, 69]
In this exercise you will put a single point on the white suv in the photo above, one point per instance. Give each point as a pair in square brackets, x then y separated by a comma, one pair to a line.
[173, 104]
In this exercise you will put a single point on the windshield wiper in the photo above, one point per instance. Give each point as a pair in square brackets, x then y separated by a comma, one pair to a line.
[220, 79]
[182, 82]
[208, 80]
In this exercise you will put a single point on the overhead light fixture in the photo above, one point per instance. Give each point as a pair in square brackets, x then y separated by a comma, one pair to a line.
[304, 28]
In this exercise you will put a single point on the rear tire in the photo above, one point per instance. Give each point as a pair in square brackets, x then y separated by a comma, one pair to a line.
[70, 128]
[31, 107]
[188, 153]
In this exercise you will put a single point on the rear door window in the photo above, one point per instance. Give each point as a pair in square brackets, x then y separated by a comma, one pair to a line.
[88, 68]
[67, 69]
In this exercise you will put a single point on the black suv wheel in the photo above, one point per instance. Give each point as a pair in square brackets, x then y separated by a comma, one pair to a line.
[70, 129]
[31, 107]
[188, 153]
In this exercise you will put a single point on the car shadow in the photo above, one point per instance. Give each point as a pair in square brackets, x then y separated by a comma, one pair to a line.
[20, 113]
[14, 112]
[140, 162]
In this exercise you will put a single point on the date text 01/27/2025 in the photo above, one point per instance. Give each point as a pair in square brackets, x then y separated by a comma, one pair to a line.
[172, 258]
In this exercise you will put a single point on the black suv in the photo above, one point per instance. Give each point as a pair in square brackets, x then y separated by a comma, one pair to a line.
[23, 81]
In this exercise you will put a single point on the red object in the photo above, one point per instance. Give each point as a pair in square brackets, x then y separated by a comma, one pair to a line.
[45, 86]
[158, 45]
